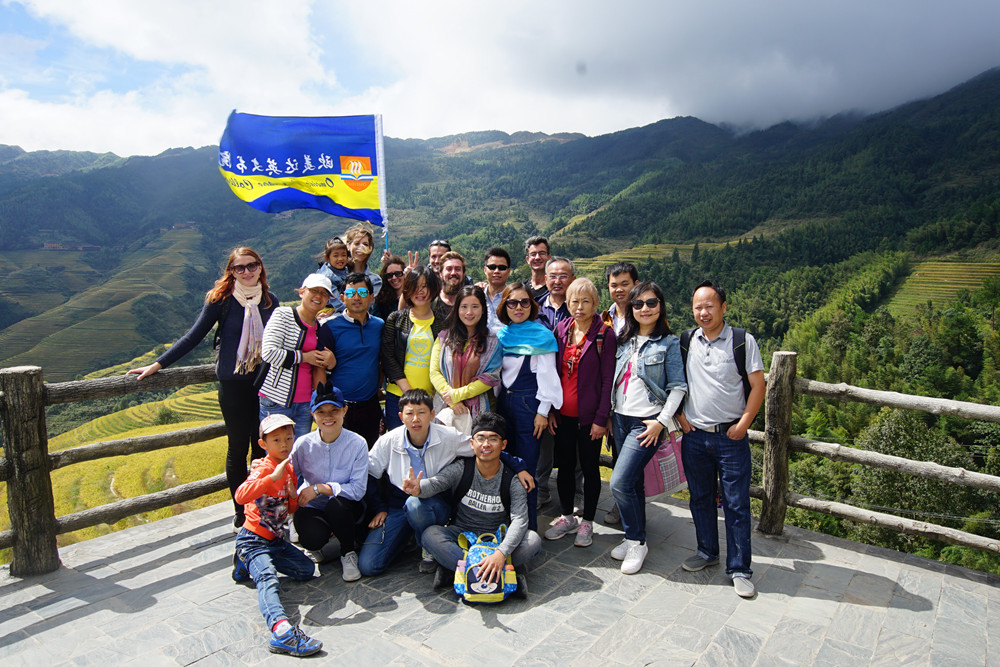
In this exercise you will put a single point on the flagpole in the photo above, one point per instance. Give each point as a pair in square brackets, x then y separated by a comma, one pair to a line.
[380, 157]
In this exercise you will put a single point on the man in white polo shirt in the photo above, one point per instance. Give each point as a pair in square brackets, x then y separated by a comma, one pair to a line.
[725, 377]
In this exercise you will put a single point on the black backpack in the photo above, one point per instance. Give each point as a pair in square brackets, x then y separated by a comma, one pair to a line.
[739, 354]
[464, 484]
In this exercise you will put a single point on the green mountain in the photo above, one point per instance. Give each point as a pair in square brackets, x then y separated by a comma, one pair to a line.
[922, 177]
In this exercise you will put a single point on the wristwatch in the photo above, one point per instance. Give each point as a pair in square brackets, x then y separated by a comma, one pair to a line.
[316, 489]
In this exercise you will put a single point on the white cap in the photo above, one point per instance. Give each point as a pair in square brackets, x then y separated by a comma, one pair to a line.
[317, 280]
[272, 422]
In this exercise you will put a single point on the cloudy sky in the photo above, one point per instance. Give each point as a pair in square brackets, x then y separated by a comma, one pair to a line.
[137, 77]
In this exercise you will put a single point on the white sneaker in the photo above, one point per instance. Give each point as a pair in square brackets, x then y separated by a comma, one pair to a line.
[634, 558]
[619, 552]
[427, 563]
[584, 534]
[315, 556]
[349, 562]
[562, 526]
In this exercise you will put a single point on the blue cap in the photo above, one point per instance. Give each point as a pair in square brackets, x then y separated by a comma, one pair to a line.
[326, 393]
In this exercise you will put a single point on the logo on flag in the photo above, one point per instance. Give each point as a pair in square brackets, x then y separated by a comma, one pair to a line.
[356, 172]
[334, 164]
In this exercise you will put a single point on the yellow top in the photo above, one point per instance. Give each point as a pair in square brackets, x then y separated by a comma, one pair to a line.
[474, 388]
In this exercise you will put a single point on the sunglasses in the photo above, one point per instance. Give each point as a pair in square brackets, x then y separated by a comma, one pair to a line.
[360, 291]
[243, 268]
[523, 303]
[393, 274]
[497, 267]
[444, 243]
[637, 304]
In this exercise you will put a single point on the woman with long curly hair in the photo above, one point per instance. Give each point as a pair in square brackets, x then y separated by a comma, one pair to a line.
[240, 304]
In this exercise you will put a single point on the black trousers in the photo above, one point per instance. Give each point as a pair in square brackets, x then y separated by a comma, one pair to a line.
[363, 418]
[572, 443]
[241, 413]
[338, 518]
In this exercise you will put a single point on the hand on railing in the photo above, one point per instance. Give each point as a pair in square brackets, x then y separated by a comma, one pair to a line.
[145, 371]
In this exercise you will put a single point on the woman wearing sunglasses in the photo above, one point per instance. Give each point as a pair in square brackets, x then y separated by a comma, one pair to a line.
[290, 349]
[649, 385]
[407, 339]
[387, 300]
[240, 304]
[530, 386]
[465, 360]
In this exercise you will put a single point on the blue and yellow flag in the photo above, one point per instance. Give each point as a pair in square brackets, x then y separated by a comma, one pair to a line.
[335, 164]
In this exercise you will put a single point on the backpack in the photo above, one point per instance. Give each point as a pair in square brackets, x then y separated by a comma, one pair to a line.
[739, 354]
[467, 584]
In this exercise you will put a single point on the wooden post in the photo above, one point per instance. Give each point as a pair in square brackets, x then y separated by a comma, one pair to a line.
[777, 426]
[29, 487]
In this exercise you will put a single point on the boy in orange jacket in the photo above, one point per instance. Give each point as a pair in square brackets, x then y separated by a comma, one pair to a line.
[262, 549]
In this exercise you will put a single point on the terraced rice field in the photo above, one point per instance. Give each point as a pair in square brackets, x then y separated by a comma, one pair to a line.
[99, 319]
[594, 266]
[939, 282]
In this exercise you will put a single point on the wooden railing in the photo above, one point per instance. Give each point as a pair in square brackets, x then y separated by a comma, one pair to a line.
[34, 526]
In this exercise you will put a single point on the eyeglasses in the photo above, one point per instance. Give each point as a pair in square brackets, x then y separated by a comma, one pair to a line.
[393, 274]
[360, 291]
[483, 439]
[539, 253]
[243, 268]
[558, 276]
[523, 303]
[497, 267]
[637, 304]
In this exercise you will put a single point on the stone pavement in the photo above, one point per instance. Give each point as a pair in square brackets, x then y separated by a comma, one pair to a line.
[162, 594]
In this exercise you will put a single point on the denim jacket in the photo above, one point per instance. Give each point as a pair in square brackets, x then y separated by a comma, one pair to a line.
[659, 367]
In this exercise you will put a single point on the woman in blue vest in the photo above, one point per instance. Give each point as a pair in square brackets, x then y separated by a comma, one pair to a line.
[241, 305]
[530, 386]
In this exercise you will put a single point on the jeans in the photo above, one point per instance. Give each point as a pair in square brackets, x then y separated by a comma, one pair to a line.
[442, 543]
[519, 410]
[297, 412]
[241, 412]
[708, 458]
[627, 484]
[386, 542]
[264, 559]
[392, 412]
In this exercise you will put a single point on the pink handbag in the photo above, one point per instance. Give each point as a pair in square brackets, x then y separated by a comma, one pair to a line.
[665, 473]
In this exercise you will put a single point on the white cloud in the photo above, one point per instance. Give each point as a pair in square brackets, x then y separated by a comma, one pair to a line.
[435, 67]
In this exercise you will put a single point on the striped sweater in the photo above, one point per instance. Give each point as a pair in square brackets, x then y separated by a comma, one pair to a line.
[282, 348]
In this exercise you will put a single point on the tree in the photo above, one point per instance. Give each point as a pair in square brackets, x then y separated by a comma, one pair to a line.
[989, 295]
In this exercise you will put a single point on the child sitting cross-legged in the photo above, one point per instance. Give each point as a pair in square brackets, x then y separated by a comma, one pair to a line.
[262, 550]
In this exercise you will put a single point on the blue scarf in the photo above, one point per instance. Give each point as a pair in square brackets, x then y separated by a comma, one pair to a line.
[526, 339]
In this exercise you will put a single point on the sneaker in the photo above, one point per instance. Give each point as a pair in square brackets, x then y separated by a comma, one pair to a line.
[427, 563]
[349, 562]
[612, 516]
[696, 563]
[316, 556]
[441, 577]
[584, 534]
[240, 571]
[294, 642]
[619, 552]
[562, 526]
[744, 587]
[522, 583]
[634, 558]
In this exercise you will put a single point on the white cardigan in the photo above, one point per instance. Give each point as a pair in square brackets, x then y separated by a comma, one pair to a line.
[282, 348]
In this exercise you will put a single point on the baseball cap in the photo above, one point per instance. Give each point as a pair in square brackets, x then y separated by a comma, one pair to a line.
[272, 422]
[317, 280]
[326, 393]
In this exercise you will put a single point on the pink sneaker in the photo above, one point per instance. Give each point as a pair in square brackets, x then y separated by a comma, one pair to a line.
[584, 534]
[562, 526]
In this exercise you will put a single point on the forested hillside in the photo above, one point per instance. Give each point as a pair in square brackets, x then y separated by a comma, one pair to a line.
[814, 228]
